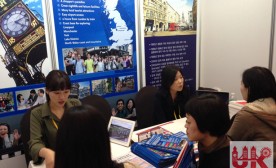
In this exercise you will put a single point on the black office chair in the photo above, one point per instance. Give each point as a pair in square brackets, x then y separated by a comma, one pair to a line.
[207, 88]
[144, 103]
[25, 132]
[100, 103]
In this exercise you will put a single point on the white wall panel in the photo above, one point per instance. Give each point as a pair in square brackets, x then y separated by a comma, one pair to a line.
[235, 35]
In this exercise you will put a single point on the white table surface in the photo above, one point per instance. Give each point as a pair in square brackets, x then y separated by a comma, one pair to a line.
[235, 107]
[119, 150]
[14, 162]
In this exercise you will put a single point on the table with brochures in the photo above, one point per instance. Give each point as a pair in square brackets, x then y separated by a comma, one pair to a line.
[163, 145]
[172, 126]
[119, 150]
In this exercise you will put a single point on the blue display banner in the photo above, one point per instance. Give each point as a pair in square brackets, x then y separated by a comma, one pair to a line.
[170, 50]
[96, 40]
[96, 46]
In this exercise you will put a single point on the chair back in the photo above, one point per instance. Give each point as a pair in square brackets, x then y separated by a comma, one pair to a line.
[100, 103]
[25, 132]
[207, 88]
[144, 104]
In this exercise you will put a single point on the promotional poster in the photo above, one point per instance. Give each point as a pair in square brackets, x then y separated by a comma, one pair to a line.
[96, 40]
[170, 38]
[23, 54]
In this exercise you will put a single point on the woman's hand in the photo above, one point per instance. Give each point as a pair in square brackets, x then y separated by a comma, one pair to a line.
[50, 160]
[49, 156]
[16, 135]
[113, 112]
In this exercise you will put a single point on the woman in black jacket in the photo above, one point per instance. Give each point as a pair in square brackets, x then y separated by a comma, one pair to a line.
[172, 96]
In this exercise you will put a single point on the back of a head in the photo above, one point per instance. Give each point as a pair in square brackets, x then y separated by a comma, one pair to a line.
[168, 75]
[210, 113]
[82, 139]
[260, 82]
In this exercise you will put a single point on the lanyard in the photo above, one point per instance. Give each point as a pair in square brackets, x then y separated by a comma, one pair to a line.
[55, 124]
[178, 114]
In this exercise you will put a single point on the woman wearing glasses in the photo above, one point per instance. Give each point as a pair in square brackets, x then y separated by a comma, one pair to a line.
[45, 119]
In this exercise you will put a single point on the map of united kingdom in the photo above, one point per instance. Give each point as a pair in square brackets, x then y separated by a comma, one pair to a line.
[121, 34]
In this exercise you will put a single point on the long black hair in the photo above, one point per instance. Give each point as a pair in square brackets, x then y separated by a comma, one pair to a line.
[83, 139]
[260, 83]
[133, 106]
[2, 142]
[168, 76]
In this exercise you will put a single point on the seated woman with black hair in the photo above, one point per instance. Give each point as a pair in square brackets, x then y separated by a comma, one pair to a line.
[131, 111]
[83, 140]
[208, 122]
[257, 119]
[171, 98]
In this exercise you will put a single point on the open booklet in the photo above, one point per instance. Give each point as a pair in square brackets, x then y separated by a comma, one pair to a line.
[146, 134]
[131, 158]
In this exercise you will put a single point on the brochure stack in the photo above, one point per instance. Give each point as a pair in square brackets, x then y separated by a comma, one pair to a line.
[166, 150]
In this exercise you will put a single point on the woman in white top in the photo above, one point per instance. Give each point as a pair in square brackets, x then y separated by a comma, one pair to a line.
[100, 65]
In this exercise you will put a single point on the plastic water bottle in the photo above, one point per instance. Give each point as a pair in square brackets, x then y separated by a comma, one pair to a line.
[232, 97]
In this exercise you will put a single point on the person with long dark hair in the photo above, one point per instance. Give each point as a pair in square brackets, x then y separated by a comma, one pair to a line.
[256, 121]
[75, 147]
[21, 103]
[171, 98]
[45, 119]
[130, 108]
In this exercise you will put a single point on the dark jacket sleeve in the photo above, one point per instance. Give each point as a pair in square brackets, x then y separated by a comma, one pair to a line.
[164, 107]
